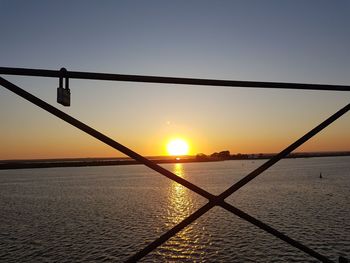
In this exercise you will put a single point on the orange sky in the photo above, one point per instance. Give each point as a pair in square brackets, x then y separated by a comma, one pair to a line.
[32, 133]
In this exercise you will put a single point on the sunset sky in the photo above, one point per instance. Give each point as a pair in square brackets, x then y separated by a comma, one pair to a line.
[286, 41]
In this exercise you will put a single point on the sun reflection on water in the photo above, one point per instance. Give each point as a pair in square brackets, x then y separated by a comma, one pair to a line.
[180, 203]
[187, 244]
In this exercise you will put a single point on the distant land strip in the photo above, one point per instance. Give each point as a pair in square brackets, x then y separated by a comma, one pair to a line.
[82, 162]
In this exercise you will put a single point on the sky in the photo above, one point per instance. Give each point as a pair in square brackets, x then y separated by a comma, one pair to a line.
[286, 41]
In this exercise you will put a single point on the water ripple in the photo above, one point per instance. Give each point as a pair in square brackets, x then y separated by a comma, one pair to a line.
[105, 214]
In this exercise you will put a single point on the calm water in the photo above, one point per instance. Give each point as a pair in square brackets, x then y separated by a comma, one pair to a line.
[109, 213]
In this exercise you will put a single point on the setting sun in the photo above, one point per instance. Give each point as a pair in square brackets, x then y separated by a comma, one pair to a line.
[177, 147]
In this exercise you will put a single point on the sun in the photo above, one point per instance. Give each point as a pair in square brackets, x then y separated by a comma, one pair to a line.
[177, 147]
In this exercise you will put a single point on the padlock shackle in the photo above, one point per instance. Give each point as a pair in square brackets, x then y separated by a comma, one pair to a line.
[63, 72]
[60, 82]
[67, 83]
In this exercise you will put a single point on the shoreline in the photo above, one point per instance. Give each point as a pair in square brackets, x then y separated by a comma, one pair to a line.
[85, 162]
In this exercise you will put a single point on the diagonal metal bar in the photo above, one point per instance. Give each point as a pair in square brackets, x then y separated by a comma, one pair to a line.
[96, 134]
[169, 80]
[220, 199]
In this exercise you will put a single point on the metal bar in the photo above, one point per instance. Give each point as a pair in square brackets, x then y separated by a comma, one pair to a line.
[219, 200]
[284, 153]
[169, 80]
[94, 133]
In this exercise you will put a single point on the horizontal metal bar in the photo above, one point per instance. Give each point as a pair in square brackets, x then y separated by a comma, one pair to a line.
[169, 80]
[101, 137]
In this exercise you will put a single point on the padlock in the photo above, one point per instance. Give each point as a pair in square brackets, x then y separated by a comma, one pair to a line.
[63, 94]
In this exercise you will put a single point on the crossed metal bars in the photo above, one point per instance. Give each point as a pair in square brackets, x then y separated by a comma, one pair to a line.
[214, 200]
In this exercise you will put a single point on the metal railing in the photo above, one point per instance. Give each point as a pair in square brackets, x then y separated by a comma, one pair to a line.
[213, 200]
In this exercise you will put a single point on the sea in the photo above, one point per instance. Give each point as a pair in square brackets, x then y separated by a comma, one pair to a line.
[107, 214]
